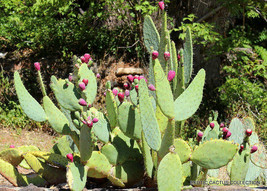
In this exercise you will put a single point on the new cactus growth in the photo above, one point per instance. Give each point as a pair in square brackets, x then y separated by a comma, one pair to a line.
[37, 66]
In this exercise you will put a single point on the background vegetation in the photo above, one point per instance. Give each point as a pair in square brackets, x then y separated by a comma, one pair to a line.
[35, 29]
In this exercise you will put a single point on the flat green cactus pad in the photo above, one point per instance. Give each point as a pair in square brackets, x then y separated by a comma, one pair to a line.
[130, 120]
[50, 174]
[186, 171]
[130, 172]
[101, 128]
[111, 107]
[163, 39]
[248, 123]
[111, 153]
[134, 96]
[188, 56]
[86, 143]
[55, 117]
[170, 176]
[66, 94]
[163, 91]
[76, 176]
[210, 133]
[238, 131]
[148, 118]
[52, 158]
[27, 148]
[151, 35]
[167, 140]
[114, 180]
[209, 155]
[98, 165]
[259, 157]
[182, 149]
[161, 119]
[240, 165]
[11, 155]
[12, 175]
[188, 102]
[62, 146]
[91, 88]
[253, 172]
[147, 157]
[29, 105]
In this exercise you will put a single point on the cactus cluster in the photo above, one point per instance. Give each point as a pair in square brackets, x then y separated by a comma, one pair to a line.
[137, 136]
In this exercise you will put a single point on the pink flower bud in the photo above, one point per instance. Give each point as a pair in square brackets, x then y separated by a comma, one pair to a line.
[212, 125]
[171, 75]
[241, 148]
[37, 66]
[151, 87]
[90, 123]
[136, 87]
[95, 120]
[225, 130]
[200, 134]
[127, 93]
[130, 78]
[228, 134]
[126, 85]
[82, 59]
[136, 77]
[85, 81]
[161, 5]
[98, 75]
[70, 157]
[82, 86]
[115, 91]
[254, 149]
[248, 132]
[121, 97]
[167, 55]
[221, 125]
[87, 57]
[155, 55]
[11, 146]
[70, 78]
[82, 102]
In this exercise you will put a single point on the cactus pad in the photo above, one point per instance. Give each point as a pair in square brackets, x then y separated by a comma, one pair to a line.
[91, 88]
[134, 96]
[209, 155]
[188, 56]
[62, 146]
[170, 176]
[253, 172]
[11, 155]
[52, 158]
[259, 157]
[111, 153]
[210, 133]
[161, 119]
[130, 120]
[163, 91]
[146, 151]
[182, 149]
[29, 105]
[248, 123]
[148, 118]
[86, 144]
[151, 35]
[76, 176]
[238, 131]
[240, 165]
[188, 102]
[98, 165]
[111, 107]
[55, 117]
[66, 94]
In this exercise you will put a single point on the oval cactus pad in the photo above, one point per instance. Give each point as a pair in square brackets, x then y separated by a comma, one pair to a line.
[188, 102]
[238, 131]
[148, 118]
[214, 154]
[29, 105]
[182, 149]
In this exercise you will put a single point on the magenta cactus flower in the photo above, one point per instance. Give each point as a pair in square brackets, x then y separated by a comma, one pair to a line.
[90, 123]
[121, 97]
[248, 132]
[87, 57]
[127, 93]
[37, 66]
[161, 5]
[82, 59]
[85, 81]
[12, 146]
[82, 86]
[151, 87]
[212, 125]
[155, 54]
[130, 78]
[70, 157]
[95, 120]
[221, 125]
[171, 75]
[82, 102]
[225, 130]
[228, 134]
[253, 149]
[70, 78]
[115, 91]
[167, 55]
